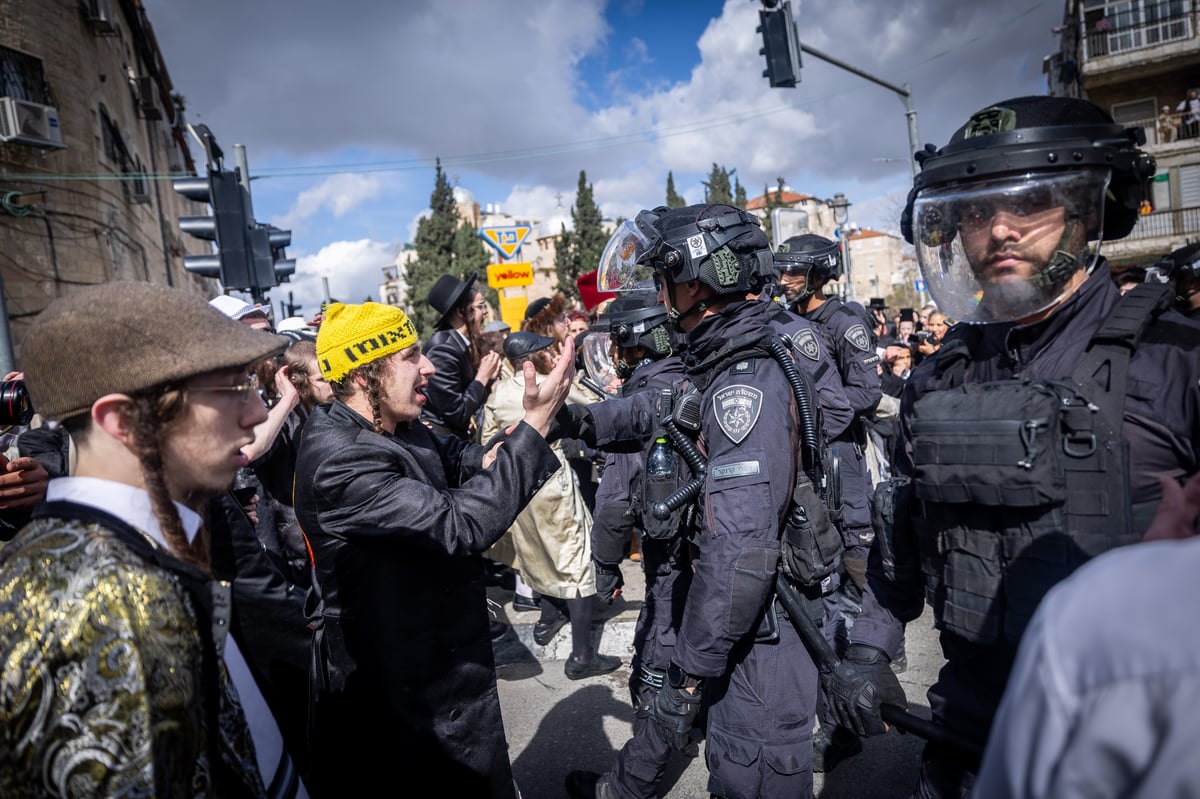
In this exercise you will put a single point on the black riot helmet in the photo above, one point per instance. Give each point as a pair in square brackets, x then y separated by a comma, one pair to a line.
[1026, 159]
[634, 319]
[815, 257]
[719, 245]
[638, 319]
[723, 247]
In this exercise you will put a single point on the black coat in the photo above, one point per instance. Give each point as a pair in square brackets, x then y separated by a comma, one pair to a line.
[453, 392]
[406, 677]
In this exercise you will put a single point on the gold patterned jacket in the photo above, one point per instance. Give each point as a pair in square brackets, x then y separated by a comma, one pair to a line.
[110, 678]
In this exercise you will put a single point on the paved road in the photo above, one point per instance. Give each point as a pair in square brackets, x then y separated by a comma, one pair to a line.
[555, 725]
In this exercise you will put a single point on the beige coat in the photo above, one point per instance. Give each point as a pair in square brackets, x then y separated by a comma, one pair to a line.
[551, 541]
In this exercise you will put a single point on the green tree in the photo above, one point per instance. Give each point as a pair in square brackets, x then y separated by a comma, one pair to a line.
[739, 194]
[717, 188]
[674, 200]
[435, 241]
[579, 250]
[471, 255]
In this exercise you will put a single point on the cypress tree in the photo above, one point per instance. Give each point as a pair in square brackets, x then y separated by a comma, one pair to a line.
[435, 252]
[674, 200]
[580, 249]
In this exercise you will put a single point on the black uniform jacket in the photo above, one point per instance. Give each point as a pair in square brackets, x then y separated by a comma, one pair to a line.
[397, 524]
[1162, 413]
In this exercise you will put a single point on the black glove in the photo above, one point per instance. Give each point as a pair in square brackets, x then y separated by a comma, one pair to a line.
[608, 581]
[673, 712]
[861, 683]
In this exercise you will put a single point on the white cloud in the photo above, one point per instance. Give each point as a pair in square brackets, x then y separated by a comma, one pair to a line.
[518, 97]
[351, 270]
[339, 194]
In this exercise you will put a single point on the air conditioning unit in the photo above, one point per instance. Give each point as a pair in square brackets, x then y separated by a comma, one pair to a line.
[147, 107]
[139, 188]
[29, 123]
[99, 15]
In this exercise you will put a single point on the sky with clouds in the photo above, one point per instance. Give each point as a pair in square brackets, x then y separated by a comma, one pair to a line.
[343, 107]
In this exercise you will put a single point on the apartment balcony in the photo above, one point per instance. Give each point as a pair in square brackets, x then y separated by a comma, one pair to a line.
[1131, 48]
[1154, 235]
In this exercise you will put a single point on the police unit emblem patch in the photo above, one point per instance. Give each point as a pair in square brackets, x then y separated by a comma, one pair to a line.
[737, 409]
[726, 265]
[806, 342]
[857, 336]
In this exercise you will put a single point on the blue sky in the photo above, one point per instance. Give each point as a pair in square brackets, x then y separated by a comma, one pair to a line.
[343, 107]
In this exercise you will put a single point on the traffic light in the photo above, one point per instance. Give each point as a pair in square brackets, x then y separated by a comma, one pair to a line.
[226, 227]
[780, 45]
[271, 264]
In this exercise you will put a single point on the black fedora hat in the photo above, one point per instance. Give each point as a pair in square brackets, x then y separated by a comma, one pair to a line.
[447, 292]
[524, 342]
[877, 303]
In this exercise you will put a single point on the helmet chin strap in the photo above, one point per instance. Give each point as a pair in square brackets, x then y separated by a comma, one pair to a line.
[1063, 263]
[675, 316]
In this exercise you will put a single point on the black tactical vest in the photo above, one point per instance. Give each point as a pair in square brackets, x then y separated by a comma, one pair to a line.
[1019, 482]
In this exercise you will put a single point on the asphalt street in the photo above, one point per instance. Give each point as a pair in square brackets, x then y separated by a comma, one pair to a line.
[555, 724]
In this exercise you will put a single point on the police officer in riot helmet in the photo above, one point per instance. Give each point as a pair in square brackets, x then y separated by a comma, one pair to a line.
[634, 331]
[806, 264]
[1036, 436]
[1181, 269]
[734, 650]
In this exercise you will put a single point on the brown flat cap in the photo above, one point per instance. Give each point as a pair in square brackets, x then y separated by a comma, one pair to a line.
[126, 337]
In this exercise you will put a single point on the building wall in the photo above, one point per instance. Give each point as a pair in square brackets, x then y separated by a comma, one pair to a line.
[99, 225]
[1154, 65]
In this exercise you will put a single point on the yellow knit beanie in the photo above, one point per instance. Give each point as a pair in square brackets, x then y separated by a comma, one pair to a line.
[351, 335]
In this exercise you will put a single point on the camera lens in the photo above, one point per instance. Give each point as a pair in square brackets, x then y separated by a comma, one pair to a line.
[15, 406]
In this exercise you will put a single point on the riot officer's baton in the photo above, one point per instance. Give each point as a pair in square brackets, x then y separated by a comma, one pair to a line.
[827, 661]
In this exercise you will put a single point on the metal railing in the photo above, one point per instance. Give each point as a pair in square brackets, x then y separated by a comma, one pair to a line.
[1173, 222]
[1155, 136]
[1124, 37]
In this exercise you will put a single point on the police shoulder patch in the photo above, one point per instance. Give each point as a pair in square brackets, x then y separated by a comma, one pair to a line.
[806, 342]
[737, 408]
[858, 338]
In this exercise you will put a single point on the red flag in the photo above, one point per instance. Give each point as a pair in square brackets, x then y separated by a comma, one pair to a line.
[588, 292]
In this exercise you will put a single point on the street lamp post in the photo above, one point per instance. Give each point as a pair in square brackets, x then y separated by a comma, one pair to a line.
[841, 213]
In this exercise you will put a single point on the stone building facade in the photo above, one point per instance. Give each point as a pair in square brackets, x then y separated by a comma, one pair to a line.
[91, 136]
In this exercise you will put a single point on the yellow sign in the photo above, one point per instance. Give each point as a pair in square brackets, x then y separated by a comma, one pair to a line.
[512, 308]
[513, 273]
[506, 240]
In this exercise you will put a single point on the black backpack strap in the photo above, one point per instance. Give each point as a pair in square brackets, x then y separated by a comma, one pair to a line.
[1115, 340]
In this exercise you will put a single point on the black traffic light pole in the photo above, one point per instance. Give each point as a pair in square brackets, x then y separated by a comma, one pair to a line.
[249, 255]
[778, 30]
[905, 92]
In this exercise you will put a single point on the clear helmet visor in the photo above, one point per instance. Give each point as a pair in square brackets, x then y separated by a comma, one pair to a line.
[1005, 249]
[599, 364]
[621, 267]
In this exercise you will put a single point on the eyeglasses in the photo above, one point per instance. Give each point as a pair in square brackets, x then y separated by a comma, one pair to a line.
[480, 306]
[244, 389]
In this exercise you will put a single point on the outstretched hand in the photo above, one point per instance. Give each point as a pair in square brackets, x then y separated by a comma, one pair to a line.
[543, 400]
